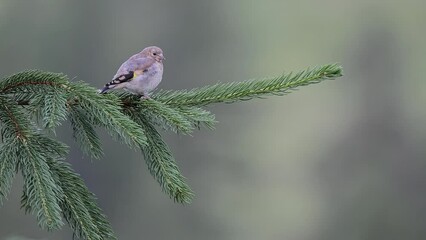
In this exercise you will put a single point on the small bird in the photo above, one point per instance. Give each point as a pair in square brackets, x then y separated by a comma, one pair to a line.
[140, 74]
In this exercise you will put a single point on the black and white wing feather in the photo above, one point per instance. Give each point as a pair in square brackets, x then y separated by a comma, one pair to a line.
[127, 71]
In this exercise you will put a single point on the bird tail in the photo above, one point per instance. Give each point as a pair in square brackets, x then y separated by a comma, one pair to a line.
[104, 90]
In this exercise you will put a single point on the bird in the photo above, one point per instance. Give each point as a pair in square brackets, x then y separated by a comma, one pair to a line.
[140, 74]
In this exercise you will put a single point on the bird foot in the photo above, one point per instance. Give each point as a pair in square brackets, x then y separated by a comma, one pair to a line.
[143, 97]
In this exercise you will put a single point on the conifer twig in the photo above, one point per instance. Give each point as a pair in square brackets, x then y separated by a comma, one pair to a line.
[246, 90]
[32, 101]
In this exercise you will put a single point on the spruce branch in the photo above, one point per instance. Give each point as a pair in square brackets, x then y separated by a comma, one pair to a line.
[41, 194]
[179, 119]
[84, 133]
[48, 91]
[79, 204]
[8, 162]
[197, 116]
[162, 165]
[21, 146]
[162, 115]
[15, 123]
[242, 91]
[32, 101]
[53, 109]
[32, 82]
[105, 111]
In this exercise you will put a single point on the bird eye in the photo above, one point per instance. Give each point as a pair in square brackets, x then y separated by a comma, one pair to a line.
[154, 54]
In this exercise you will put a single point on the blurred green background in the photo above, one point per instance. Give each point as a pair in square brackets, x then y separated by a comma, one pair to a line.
[343, 159]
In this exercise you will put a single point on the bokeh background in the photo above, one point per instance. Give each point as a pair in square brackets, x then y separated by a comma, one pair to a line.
[343, 159]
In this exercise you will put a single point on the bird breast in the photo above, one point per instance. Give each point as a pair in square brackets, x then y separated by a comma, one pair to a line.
[147, 81]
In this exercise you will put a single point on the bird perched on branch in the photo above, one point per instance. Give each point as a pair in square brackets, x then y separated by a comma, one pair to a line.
[140, 74]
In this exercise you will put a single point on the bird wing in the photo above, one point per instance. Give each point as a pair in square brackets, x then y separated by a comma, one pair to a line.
[128, 70]
[133, 65]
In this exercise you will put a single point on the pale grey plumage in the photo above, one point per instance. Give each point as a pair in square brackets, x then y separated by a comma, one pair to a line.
[140, 74]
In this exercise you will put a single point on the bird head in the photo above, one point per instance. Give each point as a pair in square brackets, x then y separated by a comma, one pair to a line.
[154, 52]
